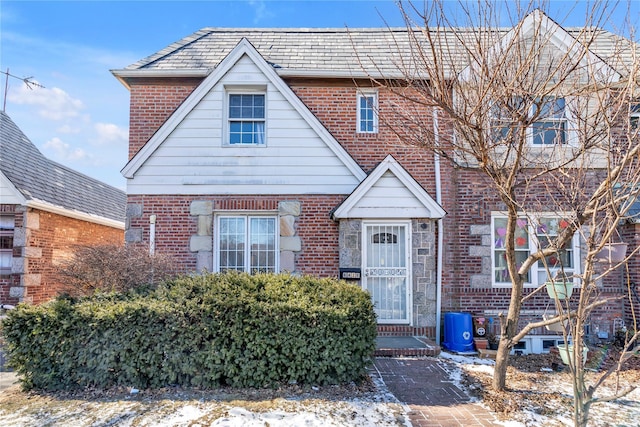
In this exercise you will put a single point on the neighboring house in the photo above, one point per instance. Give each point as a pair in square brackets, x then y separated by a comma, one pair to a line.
[46, 210]
[263, 150]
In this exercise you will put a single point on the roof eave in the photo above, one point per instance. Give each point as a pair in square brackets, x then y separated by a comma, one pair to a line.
[72, 213]
[123, 75]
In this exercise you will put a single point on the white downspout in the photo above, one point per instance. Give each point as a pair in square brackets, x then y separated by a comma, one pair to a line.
[436, 164]
[152, 235]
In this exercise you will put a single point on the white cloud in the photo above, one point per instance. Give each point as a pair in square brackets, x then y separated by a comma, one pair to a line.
[109, 133]
[260, 10]
[65, 152]
[55, 103]
[68, 129]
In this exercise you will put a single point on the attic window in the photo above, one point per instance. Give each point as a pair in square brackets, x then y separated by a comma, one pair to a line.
[247, 118]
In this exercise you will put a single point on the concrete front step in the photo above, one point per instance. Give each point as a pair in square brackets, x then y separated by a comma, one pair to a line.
[400, 346]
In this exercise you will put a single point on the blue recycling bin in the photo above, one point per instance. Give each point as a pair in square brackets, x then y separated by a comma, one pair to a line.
[458, 332]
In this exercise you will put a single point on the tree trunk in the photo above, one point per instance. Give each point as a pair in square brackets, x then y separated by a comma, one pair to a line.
[502, 362]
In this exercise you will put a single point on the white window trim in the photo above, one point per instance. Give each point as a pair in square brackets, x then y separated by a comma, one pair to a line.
[239, 90]
[366, 94]
[533, 271]
[7, 231]
[568, 120]
[247, 215]
[408, 260]
[635, 115]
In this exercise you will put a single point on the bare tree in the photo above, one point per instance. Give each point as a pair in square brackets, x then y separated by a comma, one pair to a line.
[542, 119]
[113, 268]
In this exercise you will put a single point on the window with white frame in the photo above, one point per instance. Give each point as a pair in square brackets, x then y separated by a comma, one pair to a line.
[550, 126]
[247, 118]
[6, 243]
[247, 243]
[530, 235]
[367, 114]
[634, 120]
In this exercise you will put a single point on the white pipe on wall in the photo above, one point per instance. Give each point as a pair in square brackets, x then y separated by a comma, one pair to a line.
[152, 234]
[438, 179]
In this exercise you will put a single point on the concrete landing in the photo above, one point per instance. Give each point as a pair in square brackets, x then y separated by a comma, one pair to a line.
[405, 346]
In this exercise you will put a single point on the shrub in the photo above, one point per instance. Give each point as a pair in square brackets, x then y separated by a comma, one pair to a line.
[203, 331]
[112, 268]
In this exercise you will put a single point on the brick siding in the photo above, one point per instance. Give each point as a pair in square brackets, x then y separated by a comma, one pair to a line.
[48, 239]
[468, 197]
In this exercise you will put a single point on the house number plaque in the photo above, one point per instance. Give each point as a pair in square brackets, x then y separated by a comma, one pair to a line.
[350, 274]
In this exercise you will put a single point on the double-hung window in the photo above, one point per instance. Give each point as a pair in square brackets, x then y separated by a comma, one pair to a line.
[550, 126]
[530, 235]
[367, 112]
[6, 243]
[634, 120]
[247, 118]
[247, 243]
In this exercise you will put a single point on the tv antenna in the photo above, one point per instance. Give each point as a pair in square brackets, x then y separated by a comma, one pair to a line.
[26, 80]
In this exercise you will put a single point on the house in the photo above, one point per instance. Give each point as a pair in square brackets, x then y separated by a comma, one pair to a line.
[47, 209]
[265, 150]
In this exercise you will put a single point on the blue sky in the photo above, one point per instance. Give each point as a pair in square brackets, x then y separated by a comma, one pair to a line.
[80, 117]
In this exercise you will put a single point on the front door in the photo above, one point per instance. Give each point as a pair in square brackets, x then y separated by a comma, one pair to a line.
[386, 261]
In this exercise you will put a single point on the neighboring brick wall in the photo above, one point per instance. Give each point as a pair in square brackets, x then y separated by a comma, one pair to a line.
[630, 233]
[41, 241]
[467, 255]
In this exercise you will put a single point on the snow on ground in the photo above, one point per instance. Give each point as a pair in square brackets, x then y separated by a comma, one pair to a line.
[545, 398]
[370, 408]
[535, 399]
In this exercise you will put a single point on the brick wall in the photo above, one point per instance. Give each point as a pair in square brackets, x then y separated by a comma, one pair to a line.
[175, 226]
[334, 103]
[468, 197]
[151, 105]
[41, 241]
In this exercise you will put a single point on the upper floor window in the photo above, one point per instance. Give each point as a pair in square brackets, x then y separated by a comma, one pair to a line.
[548, 118]
[635, 116]
[367, 113]
[247, 118]
[551, 124]
[531, 235]
[6, 243]
[247, 243]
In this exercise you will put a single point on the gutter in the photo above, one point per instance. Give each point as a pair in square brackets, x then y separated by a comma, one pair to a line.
[48, 207]
[439, 268]
[124, 75]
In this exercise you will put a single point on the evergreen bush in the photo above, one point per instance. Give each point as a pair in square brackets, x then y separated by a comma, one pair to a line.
[203, 331]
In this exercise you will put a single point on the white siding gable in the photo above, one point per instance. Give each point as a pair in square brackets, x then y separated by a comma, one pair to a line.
[299, 156]
[389, 192]
[9, 194]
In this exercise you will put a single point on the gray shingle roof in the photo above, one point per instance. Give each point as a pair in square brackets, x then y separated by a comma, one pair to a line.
[39, 178]
[339, 51]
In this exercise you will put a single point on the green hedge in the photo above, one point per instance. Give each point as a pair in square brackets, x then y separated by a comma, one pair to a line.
[203, 331]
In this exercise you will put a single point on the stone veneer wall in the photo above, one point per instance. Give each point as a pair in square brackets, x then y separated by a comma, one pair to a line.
[601, 319]
[185, 227]
[202, 242]
[423, 267]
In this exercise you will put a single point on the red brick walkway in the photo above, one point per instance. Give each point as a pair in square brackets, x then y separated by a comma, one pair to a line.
[425, 385]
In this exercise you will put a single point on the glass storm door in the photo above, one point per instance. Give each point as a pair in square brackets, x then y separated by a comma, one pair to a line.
[386, 270]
